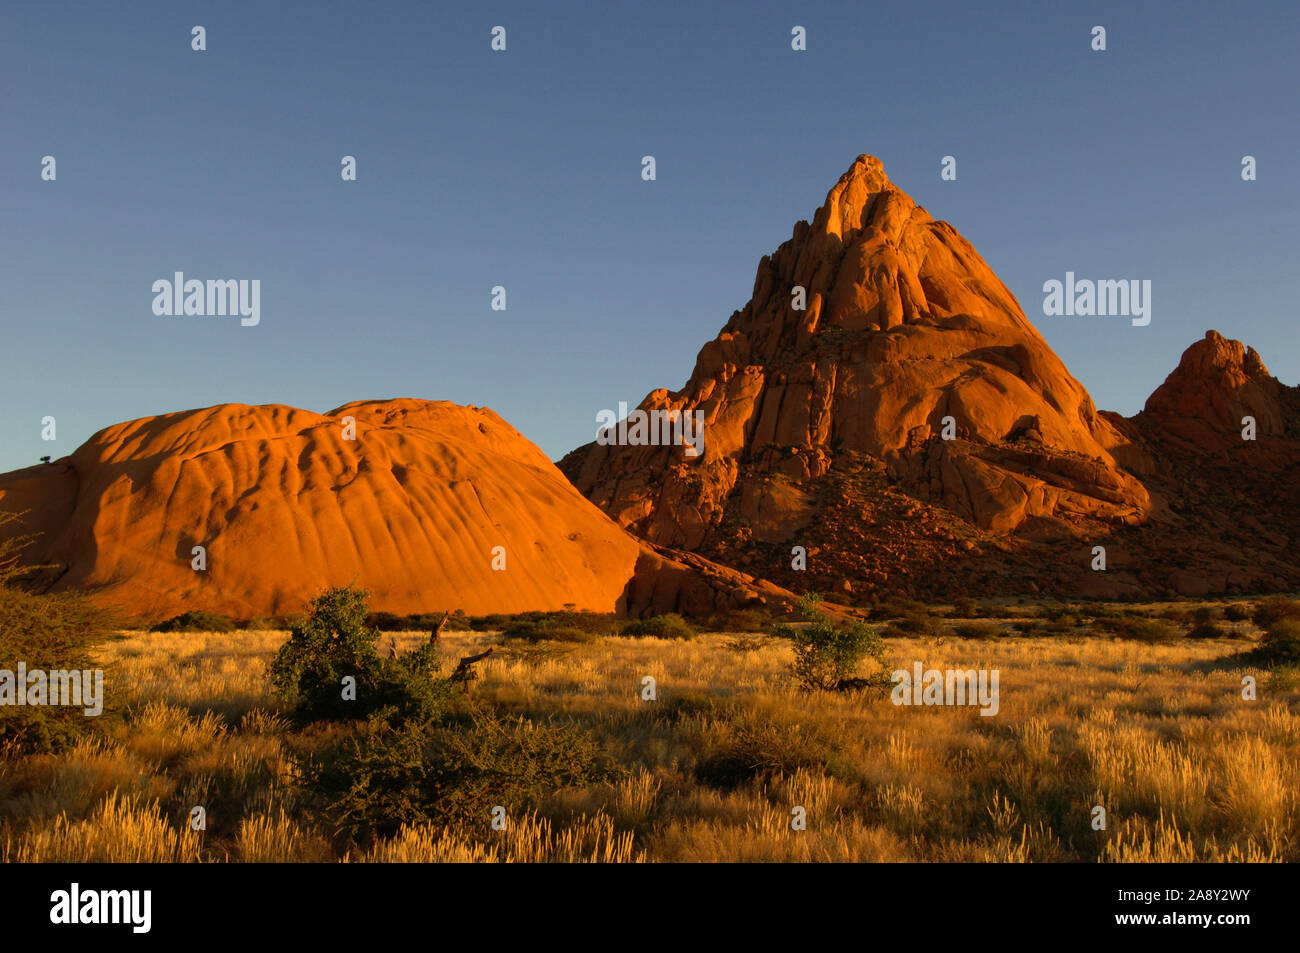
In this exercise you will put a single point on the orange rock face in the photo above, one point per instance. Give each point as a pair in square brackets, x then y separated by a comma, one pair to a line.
[1225, 517]
[1216, 385]
[824, 428]
[284, 504]
[905, 330]
[881, 409]
[411, 509]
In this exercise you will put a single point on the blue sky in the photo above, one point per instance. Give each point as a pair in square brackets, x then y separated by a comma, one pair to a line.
[522, 169]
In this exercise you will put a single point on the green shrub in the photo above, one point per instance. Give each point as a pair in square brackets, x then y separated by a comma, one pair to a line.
[895, 608]
[1208, 630]
[677, 707]
[827, 656]
[917, 623]
[1067, 624]
[668, 626]
[1204, 614]
[1147, 630]
[197, 621]
[1274, 609]
[985, 629]
[539, 630]
[47, 633]
[1281, 643]
[758, 749]
[450, 774]
[332, 643]
[419, 622]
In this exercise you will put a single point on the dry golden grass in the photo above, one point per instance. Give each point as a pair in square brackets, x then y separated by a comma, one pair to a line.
[1158, 735]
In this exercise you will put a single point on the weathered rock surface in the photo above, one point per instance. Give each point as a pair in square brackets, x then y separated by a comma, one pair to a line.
[412, 509]
[1226, 510]
[824, 434]
[905, 326]
[1217, 384]
[824, 428]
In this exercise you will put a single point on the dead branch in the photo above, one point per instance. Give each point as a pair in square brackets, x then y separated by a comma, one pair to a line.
[464, 672]
[437, 631]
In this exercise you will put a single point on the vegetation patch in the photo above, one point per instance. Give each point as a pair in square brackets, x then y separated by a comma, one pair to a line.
[667, 626]
[828, 656]
[330, 668]
[451, 774]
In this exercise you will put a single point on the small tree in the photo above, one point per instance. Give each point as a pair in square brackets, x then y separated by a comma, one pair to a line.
[43, 632]
[668, 626]
[333, 643]
[828, 656]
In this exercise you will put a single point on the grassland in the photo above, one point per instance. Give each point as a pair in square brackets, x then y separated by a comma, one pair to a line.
[1157, 734]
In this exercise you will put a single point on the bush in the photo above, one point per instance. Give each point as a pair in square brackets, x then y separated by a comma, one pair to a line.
[47, 633]
[965, 608]
[1281, 643]
[331, 643]
[197, 621]
[763, 749]
[1066, 624]
[669, 626]
[1208, 630]
[545, 630]
[1204, 614]
[977, 630]
[593, 623]
[1055, 612]
[895, 608]
[1274, 609]
[1147, 630]
[451, 774]
[1238, 612]
[420, 622]
[828, 656]
[1100, 610]
[917, 623]
[742, 620]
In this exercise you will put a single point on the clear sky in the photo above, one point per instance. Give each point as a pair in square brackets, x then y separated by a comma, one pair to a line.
[522, 169]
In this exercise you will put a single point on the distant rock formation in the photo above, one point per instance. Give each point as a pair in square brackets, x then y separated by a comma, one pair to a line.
[825, 427]
[1226, 513]
[1216, 385]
